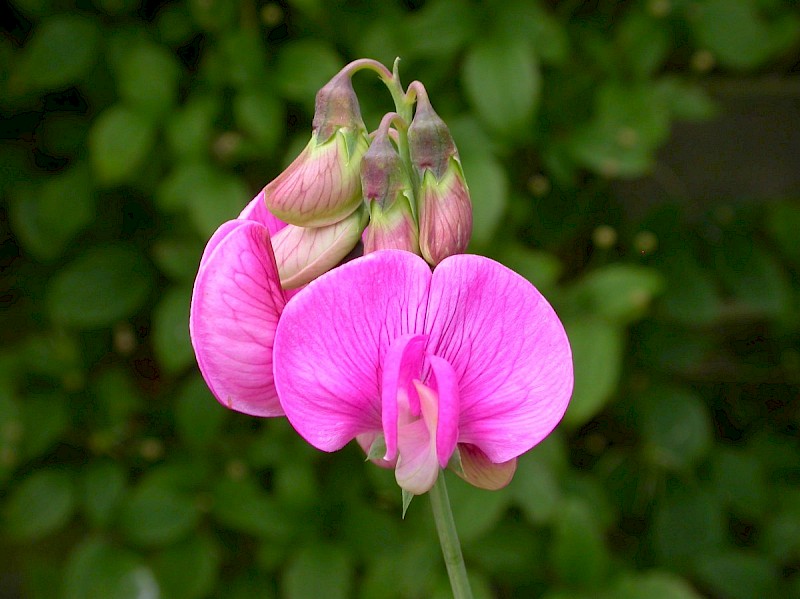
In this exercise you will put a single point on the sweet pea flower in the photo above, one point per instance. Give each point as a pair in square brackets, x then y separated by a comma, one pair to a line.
[468, 363]
[236, 303]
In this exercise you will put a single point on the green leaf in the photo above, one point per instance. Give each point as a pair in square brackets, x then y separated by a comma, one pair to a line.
[737, 34]
[597, 348]
[319, 570]
[643, 42]
[620, 293]
[100, 287]
[736, 574]
[147, 78]
[475, 510]
[222, 198]
[119, 142]
[243, 506]
[46, 217]
[61, 51]
[11, 430]
[502, 82]
[177, 257]
[528, 20]
[740, 482]
[259, 115]
[189, 569]
[171, 330]
[41, 504]
[104, 485]
[651, 585]
[198, 416]
[157, 513]
[189, 129]
[488, 190]
[98, 570]
[439, 29]
[687, 523]
[535, 489]
[541, 268]
[303, 67]
[578, 555]
[783, 223]
[676, 427]
[45, 420]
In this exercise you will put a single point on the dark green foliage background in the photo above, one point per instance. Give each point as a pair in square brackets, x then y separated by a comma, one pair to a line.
[131, 131]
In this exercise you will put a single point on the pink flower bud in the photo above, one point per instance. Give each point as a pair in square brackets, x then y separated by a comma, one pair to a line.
[304, 253]
[391, 229]
[443, 203]
[322, 185]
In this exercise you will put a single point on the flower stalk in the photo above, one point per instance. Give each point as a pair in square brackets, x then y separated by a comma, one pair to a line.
[448, 538]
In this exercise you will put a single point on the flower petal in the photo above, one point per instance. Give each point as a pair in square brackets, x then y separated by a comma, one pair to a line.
[402, 364]
[417, 465]
[257, 211]
[477, 470]
[446, 385]
[508, 350]
[332, 339]
[236, 303]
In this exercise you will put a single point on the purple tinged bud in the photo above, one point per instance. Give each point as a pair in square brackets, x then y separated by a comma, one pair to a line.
[443, 202]
[391, 229]
[322, 185]
[304, 253]
[445, 214]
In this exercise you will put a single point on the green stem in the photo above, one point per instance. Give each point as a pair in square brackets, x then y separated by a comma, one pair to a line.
[448, 537]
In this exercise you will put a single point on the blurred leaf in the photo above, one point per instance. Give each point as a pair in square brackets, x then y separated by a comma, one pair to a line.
[740, 482]
[98, 570]
[176, 257]
[439, 29]
[676, 427]
[175, 24]
[104, 485]
[11, 431]
[754, 276]
[643, 42]
[541, 268]
[629, 122]
[578, 554]
[691, 296]
[198, 416]
[303, 67]
[214, 15]
[171, 330]
[63, 134]
[119, 141]
[783, 223]
[528, 20]
[597, 348]
[62, 49]
[101, 286]
[737, 574]
[620, 293]
[502, 81]
[488, 189]
[222, 198]
[189, 569]
[40, 505]
[47, 217]
[479, 585]
[686, 101]
[387, 575]
[651, 585]
[147, 78]
[475, 510]
[189, 128]
[243, 53]
[319, 570]
[738, 35]
[157, 513]
[511, 552]
[116, 395]
[251, 584]
[45, 420]
[259, 115]
[243, 506]
[116, 7]
[688, 523]
[535, 489]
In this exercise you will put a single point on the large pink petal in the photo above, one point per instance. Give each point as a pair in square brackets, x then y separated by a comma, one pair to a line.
[236, 303]
[509, 352]
[257, 211]
[332, 339]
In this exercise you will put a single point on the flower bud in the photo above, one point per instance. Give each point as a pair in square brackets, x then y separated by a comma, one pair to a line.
[321, 186]
[443, 203]
[386, 188]
[304, 253]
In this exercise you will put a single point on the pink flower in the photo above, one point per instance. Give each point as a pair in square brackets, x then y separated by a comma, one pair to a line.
[236, 302]
[469, 362]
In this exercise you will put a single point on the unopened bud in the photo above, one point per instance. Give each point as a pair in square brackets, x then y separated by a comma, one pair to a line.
[322, 185]
[429, 141]
[393, 228]
[445, 214]
[304, 253]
